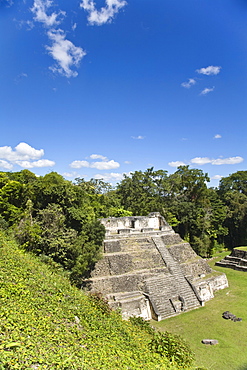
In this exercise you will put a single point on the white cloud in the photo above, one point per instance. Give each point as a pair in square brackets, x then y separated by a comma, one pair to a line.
[21, 23]
[230, 160]
[36, 164]
[110, 176]
[39, 10]
[6, 3]
[219, 161]
[88, 5]
[79, 164]
[22, 155]
[176, 164]
[30, 25]
[64, 52]
[207, 90]
[188, 84]
[74, 26]
[210, 70]
[206, 160]
[105, 164]
[216, 177]
[72, 174]
[20, 77]
[105, 14]
[68, 174]
[127, 162]
[137, 137]
[98, 156]
[217, 136]
[6, 165]
[201, 160]
[22, 151]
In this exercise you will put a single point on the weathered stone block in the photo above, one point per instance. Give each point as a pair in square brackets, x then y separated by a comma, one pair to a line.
[196, 268]
[112, 246]
[182, 252]
[210, 341]
[170, 239]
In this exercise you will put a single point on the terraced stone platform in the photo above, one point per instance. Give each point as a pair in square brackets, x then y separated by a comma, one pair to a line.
[237, 260]
[149, 271]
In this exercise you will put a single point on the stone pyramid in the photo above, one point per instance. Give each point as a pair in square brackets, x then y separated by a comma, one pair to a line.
[147, 270]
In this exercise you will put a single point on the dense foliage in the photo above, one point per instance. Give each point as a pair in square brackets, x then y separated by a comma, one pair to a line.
[209, 218]
[58, 219]
[48, 324]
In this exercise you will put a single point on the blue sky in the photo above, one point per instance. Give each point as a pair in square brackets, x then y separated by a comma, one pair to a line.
[106, 87]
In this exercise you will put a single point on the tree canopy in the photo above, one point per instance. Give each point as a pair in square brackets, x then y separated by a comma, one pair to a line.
[59, 220]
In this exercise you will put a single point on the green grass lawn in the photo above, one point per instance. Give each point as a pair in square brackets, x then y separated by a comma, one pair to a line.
[242, 248]
[207, 323]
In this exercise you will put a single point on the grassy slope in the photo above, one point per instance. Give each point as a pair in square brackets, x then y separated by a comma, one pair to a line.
[242, 248]
[207, 322]
[40, 327]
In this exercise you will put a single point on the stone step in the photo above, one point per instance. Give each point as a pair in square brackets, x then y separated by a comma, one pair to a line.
[231, 258]
[150, 272]
[139, 233]
[127, 262]
[240, 268]
[125, 296]
[233, 265]
[128, 245]
[127, 282]
[183, 288]
[165, 308]
[235, 260]
[164, 289]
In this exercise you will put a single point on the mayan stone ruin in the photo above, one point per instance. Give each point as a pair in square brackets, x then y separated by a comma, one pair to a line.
[237, 260]
[147, 270]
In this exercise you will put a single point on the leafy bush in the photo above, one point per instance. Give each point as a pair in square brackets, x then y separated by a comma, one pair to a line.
[166, 344]
[173, 347]
[3, 226]
[142, 324]
[100, 303]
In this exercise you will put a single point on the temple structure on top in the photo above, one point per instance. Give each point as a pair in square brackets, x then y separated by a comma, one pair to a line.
[136, 224]
[147, 270]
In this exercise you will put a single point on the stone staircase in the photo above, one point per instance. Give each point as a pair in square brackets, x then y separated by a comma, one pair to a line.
[171, 293]
[237, 260]
[160, 291]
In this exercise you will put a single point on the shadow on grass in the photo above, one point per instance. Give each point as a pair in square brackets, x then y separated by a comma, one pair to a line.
[243, 367]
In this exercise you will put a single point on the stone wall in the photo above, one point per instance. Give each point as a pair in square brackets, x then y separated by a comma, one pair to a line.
[239, 253]
[207, 287]
[182, 252]
[196, 268]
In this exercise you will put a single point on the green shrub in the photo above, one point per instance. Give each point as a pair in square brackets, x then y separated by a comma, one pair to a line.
[173, 347]
[166, 344]
[99, 302]
[142, 324]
